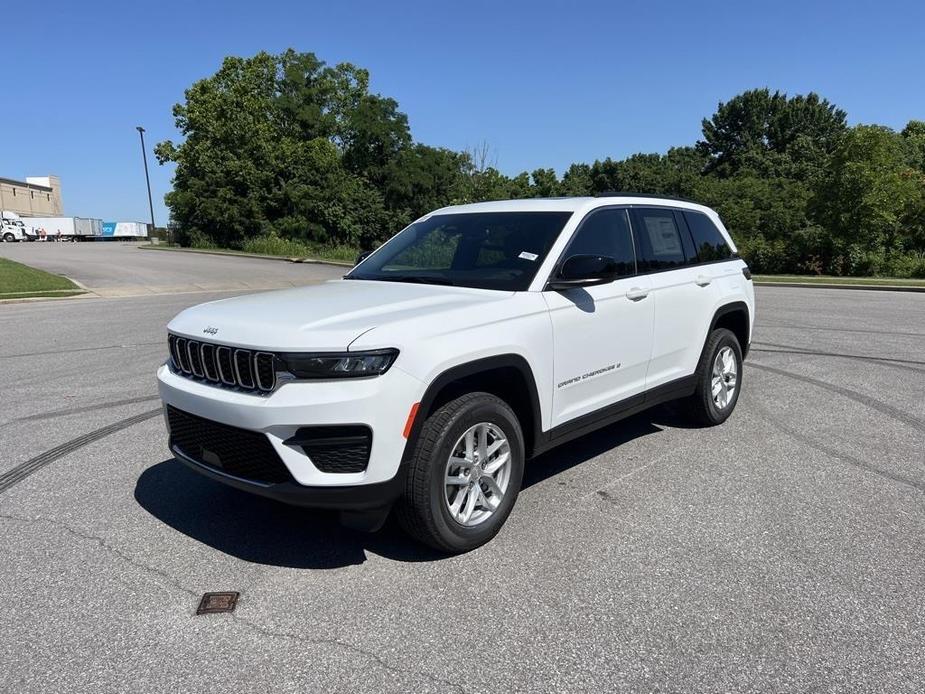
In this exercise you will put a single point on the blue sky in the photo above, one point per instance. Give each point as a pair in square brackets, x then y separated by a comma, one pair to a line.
[543, 83]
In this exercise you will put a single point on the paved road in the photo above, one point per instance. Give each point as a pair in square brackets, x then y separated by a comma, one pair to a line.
[781, 552]
[122, 269]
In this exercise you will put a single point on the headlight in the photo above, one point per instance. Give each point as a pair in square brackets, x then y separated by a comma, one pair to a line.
[337, 365]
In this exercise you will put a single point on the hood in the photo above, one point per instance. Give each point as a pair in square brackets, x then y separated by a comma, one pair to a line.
[324, 317]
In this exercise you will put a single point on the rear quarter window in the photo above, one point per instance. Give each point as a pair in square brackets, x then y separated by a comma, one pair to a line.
[709, 243]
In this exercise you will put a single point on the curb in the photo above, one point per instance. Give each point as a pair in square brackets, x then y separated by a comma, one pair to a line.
[869, 287]
[33, 299]
[308, 261]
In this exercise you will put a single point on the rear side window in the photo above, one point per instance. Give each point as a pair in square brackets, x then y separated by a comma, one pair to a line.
[661, 246]
[607, 233]
[709, 243]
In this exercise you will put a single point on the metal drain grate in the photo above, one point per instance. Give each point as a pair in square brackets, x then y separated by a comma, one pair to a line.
[217, 602]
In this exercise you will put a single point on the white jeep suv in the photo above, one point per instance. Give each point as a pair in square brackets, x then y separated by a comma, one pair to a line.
[476, 338]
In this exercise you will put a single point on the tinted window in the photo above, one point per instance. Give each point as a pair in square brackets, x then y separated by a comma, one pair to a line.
[660, 242]
[607, 233]
[708, 241]
[487, 250]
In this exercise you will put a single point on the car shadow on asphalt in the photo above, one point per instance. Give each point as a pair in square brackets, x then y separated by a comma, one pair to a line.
[263, 531]
[591, 445]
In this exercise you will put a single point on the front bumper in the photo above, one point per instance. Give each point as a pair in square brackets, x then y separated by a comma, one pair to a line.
[358, 497]
[381, 403]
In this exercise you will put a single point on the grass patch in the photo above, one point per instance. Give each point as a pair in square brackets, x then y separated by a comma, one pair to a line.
[825, 279]
[18, 281]
[273, 245]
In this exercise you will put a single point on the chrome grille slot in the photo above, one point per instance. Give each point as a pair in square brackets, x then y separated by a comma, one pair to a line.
[183, 355]
[225, 365]
[265, 371]
[172, 347]
[209, 365]
[195, 358]
[243, 368]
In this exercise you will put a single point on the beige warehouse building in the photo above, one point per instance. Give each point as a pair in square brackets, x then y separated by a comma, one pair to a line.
[37, 196]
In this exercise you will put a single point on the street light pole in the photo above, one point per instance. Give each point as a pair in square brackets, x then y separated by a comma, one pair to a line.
[144, 156]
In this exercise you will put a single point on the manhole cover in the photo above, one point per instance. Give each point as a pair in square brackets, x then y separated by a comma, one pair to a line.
[217, 602]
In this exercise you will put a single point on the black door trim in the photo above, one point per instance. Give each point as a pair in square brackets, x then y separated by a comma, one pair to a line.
[585, 424]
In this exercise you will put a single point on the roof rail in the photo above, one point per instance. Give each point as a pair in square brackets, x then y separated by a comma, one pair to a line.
[630, 194]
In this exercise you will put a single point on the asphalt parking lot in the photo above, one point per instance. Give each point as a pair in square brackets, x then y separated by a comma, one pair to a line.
[780, 552]
[121, 269]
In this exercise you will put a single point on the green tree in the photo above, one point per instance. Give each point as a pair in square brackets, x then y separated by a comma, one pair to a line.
[871, 200]
[284, 144]
[545, 183]
[914, 142]
[576, 180]
[765, 134]
[421, 179]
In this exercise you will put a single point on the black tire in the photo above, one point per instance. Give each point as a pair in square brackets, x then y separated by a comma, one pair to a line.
[9, 238]
[701, 407]
[422, 511]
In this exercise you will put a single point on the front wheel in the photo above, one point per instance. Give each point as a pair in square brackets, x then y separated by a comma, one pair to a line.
[9, 238]
[465, 474]
[719, 379]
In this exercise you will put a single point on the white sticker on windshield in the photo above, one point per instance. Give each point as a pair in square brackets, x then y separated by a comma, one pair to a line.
[528, 256]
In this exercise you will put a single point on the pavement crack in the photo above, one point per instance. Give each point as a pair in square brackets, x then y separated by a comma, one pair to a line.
[173, 582]
[104, 544]
[603, 493]
[346, 645]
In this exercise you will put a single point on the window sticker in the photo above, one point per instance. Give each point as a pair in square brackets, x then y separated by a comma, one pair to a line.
[663, 236]
[528, 256]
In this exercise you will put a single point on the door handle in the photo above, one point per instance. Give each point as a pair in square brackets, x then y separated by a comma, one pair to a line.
[637, 294]
[703, 280]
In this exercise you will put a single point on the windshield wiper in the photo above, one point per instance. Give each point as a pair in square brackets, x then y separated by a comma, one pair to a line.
[416, 279]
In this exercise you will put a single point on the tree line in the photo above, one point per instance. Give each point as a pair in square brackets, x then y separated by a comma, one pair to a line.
[286, 147]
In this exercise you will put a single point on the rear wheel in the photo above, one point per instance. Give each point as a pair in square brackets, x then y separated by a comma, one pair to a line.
[465, 474]
[8, 237]
[719, 379]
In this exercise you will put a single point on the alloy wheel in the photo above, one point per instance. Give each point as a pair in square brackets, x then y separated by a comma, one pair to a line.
[477, 474]
[725, 377]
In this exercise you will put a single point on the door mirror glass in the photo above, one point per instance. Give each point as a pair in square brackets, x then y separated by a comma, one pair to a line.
[363, 256]
[584, 271]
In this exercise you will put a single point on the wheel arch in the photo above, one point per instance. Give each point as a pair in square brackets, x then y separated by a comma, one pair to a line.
[735, 317]
[508, 376]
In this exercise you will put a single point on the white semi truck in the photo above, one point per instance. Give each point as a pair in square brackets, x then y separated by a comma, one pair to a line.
[70, 228]
[123, 230]
[12, 228]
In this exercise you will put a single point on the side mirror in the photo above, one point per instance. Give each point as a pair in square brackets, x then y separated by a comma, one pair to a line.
[363, 256]
[584, 271]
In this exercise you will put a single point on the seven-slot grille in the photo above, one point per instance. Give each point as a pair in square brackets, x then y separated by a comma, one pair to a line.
[222, 365]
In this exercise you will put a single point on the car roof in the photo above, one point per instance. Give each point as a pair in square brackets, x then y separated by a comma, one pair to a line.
[570, 204]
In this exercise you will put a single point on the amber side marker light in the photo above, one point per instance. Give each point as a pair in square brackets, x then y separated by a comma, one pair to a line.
[410, 421]
[217, 602]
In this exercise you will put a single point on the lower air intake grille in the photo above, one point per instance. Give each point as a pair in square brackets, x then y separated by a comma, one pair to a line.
[238, 452]
[339, 449]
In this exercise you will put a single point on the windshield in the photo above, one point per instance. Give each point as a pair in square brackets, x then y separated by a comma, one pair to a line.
[484, 250]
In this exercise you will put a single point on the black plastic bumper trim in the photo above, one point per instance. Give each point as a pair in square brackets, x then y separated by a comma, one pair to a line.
[343, 498]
